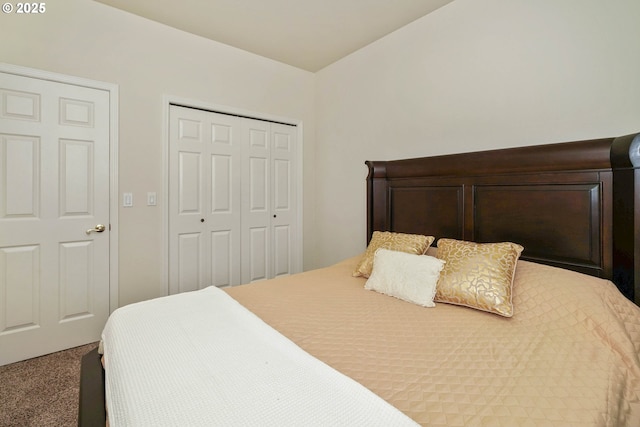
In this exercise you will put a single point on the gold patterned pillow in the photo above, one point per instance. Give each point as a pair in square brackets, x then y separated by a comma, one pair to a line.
[416, 244]
[478, 275]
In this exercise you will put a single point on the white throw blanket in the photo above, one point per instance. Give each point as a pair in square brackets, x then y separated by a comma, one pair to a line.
[202, 359]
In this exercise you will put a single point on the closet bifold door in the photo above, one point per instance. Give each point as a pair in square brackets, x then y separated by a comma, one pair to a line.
[204, 202]
[285, 230]
[233, 199]
[269, 200]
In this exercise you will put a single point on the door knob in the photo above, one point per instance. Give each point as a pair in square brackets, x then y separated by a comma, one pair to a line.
[98, 229]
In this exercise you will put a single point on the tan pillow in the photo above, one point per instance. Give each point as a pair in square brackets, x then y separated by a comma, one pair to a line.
[416, 244]
[478, 275]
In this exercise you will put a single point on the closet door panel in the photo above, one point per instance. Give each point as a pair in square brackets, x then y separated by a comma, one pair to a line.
[282, 250]
[221, 183]
[224, 219]
[189, 183]
[204, 187]
[284, 196]
[258, 187]
[188, 148]
[222, 263]
[256, 201]
[189, 256]
[257, 249]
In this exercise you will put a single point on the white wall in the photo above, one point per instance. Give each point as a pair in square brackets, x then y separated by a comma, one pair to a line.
[470, 76]
[148, 60]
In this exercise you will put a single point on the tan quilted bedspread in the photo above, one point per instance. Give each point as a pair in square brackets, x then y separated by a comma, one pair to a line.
[568, 357]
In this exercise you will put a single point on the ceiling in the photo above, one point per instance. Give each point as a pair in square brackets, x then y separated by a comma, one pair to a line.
[308, 34]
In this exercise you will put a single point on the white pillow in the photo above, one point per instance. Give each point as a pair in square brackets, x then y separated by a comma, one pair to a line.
[410, 277]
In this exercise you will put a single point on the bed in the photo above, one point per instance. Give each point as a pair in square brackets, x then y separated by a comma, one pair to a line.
[558, 344]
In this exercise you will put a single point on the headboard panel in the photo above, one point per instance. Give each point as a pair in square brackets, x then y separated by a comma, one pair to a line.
[574, 205]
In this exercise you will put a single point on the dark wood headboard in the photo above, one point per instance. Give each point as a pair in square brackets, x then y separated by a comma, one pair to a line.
[574, 205]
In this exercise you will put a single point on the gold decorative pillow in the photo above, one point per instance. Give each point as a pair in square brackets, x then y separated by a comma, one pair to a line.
[416, 244]
[478, 275]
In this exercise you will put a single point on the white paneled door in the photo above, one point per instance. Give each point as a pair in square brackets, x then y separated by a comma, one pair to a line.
[270, 237]
[233, 208]
[204, 218]
[54, 200]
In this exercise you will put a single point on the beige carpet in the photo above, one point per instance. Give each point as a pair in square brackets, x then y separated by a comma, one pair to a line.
[42, 392]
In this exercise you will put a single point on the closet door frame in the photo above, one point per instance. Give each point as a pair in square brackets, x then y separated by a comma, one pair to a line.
[169, 100]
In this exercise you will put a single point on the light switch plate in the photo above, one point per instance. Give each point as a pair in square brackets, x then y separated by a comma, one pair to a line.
[127, 200]
[151, 198]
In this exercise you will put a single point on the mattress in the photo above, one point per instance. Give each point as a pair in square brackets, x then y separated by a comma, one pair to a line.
[567, 357]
